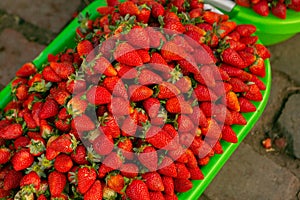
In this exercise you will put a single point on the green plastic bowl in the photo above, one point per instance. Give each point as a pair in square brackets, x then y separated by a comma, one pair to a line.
[66, 39]
[271, 30]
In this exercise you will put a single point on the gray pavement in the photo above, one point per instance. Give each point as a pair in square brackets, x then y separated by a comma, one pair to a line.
[252, 172]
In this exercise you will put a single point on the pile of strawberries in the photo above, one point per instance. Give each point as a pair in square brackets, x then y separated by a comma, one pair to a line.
[135, 109]
[277, 7]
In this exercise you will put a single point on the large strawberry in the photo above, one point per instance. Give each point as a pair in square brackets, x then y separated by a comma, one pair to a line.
[137, 190]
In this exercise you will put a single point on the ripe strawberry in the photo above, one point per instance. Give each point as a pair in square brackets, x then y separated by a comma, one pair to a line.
[156, 195]
[98, 95]
[196, 173]
[174, 27]
[213, 17]
[170, 51]
[157, 10]
[153, 181]
[261, 8]
[167, 90]
[139, 92]
[119, 106]
[22, 160]
[249, 40]
[138, 37]
[262, 51]
[174, 105]
[60, 95]
[258, 68]
[231, 101]
[156, 37]
[49, 109]
[144, 15]
[148, 157]
[258, 82]
[63, 143]
[247, 57]
[129, 125]
[4, 193]
[246, 105]
[279, 10]
[22, 92]
[128, 8]
[95, 192]
[115, 182]
[168, 185]
[111, 162]
[112, 2]
[245, 3]
[231, 57]
[11, 131]
[184, 84]
[206, 76]
[235, 72]
[26, 70]
[79, 156]
[238, 118]
[228, 134]
[76, 106]
[63, 163]
[151, 106]
[253, 93]
[86, 176]
[167, 167]
[245, 30]
[63, 70]
[12, 180]
[203, 93]
[160, 138]
[57, 182]
[238, 85]
[182, 185]
[148, 77]
[182, 171]
[103, 144]
[137, 190]
[5, 155]
[129, 170]
[32, 178]
[84, 48]
[126, 54]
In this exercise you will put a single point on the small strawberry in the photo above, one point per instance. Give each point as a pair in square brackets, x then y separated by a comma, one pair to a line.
[63, 163]
[253, 93]
[229, 135]
[170, 51]
[63, 70]
[129, 170]
[261, 8]
[258, 68]
[174, 105]
[111, 162]
[279, 10]
[246, 105]
[196, 173]
[182, 185]
[5, 155]
[203, 93]
[112, 2]
[262, 51]
[95, 192]
[160, 138]
[231, 101]
[249, 40]
[126, 54]
[144, 15]
[79, 155]
[86, 176]
[153, 181]
[258, 82]
[26, 70]
[22, 160]
[63, 143]
[148, 157]
[84, 48]
[167, 90]
[238, 118]
[115, 182]
[98, 95]
[245, 30]
[138, 37]
[139, 92]
[157, 10]
[167, 167]
[57, 182]
[238, 85]
[151, 106]
[137, 190]
[128, 7]
[103, 145]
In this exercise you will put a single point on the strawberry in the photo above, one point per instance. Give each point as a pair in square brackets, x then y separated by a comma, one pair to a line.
[182, 185]
[98, 95]
[228, 134]
[253, 93]
[111, 162]
[206, 76]
[12, 179]
[258, 68]
[60, 95]
[22, 160]
[153, 181]
[104, 67]
[22, 92]
[103, 145]
[213, 17]
[139, 92]
[86, 176]
[137, 190]
[261, 8]
[159, 138]
[105, 10]
[156, 37]
[112, 2]
[79, 155]
[174, 105]
[238, 118]
[235, 72]
[115, 182]
[156, 195]
[167, 167]
[26, 70]
[167, 90]
[11, 131]
[148, 77]
[249, 40]
[151, 106]
[202, 93]
[49, 109]
[245, 30]
[126, 54]
[129, 170]
[119, 106]
[63, 70]
[144, 15]
[76, 86]
[182, 171]
[32, 178]
[246, 105]
[168, 185]
[144, 54]
[170, 51]
[279, 10]
[231, 57]
[148, 157]
[196, 173]
[138, 37]
[84, 48]
[184, 84]
[173, 26]
[57, 182]
[95, 192]
[115, 86]
[262, 51]
[129, 125]
[238, 85]
[128, 8]
[63, 143]
[63, 163]
[258, 82]
[231, 101]
[245, 3]
[157, 10]
[5, 155]
[76, 106]
[4, 193]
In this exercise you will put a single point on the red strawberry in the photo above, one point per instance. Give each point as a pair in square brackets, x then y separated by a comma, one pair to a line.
[231, 101]
[167, 167]
[148, 157]
[95, 192]
[168, 184]
[26, 70]
[104, 67]
[57, 182]
[144, 54]
[228, 134]
[60, 95]
[246, 105]
[84, 48]
[170, 51]
[261, 8]
[202, 93]
[245, 3]
[174, 26]
[238, 118]
[76, 106]
[137, 190]
[174, 105]
[184, 84]
[245, 30]
[63, 143]
[182, 171]
[98, 95]
[196, 173]
[11, 131]
[156, 37]
[129, 170]
[153, 181]
[4, 155]
[103, 145]
[22, 160]
[167, 90]
[139, 92]
[258, 82]
[49, 109]
[129, 125]
[119, 106]
[156, 195]
[86, 176]
[144, 15]
[4, 193]
[63, 163]
[157, 10]
[32, 178]
[148, 77]
[249, 40]
[63, 70]
[238, 85]
[262, 51]
[138, 37]
[112, 2]
[111, 162]
[279, 10]
[12, 179]
[115, 86]
[160, 138]
[128, 7]
[127, 55]
[258, 68]
[152, 106]
[231, 57]
[253, 93]
[247, 57]
[182, 185]
[79, 155]
[213, 17]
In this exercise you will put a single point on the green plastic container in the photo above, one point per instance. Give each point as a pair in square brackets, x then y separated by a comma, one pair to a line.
[271, 30]
[66, 39]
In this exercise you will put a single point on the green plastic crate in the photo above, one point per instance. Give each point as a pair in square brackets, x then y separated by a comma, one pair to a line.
[66, 39]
